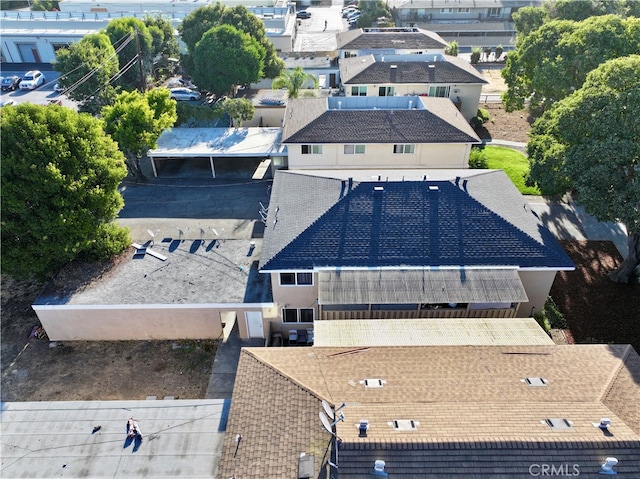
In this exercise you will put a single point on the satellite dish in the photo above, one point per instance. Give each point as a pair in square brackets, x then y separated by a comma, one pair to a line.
[327, 409]
[325, 422]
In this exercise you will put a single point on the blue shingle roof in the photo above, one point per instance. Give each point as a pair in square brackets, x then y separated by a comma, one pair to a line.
[412, 223]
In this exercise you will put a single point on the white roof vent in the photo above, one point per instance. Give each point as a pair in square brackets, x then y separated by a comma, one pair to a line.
[536, 382]
[558, 423]
[404, 424]
[378, 188]
[433, 188]
[373, 383]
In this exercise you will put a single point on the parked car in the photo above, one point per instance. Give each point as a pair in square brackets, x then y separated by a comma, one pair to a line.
[54, 101]
[7, 102]
[180, 94]
[303, 14]
[349, 11]
[10, 83]
[354, 15]
[32, 80]
[58, 88]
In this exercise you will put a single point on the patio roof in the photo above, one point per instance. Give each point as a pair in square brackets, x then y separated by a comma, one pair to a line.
[420, 285]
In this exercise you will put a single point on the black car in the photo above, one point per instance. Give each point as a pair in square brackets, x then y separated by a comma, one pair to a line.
[10, 83]
[303, 14]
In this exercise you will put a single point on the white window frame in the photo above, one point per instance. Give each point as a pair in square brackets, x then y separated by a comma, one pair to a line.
[446, 10]
[388, 90]
[352, 149]
[298, 315]
[312, 149]
[296, 278]
[433, 90]
[464, 10]
[404, 148]
[495, 11]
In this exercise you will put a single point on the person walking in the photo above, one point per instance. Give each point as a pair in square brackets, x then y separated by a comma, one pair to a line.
[325, 26]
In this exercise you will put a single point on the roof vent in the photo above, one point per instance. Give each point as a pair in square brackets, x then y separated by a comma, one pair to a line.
[433, 188]
[404, 425]
[603, 424]
[607, 467]
[373, 383]
[363, 427]
[559, 423]
[378, 468]
[378, 188]
[536, 382]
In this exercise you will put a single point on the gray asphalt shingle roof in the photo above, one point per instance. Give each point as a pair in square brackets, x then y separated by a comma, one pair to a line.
[312, 121]
[321, 222]
[394, 38]
[367, 71]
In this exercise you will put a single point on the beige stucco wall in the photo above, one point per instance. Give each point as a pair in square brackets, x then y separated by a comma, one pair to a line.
[270, 117]
[537, 285]
[293, 297]
[143, 322]
[469, 94]
[381, 155]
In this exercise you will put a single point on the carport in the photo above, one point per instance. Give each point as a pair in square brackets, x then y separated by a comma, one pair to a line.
[212, 143]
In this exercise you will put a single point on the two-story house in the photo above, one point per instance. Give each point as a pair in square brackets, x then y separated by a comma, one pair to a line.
[376, 132]
[401, 75]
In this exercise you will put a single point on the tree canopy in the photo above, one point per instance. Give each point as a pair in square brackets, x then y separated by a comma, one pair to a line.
[293, 81]
[590, 142]
[164, 42]
[371, 11]
[239, 109]
[553, 61]
[122, 33]
[60, 174]
[86, 68]
[203, 19]
[226, 57]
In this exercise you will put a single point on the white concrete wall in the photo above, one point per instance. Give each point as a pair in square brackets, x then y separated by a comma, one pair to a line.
[469, 95]
[266, 117]
[142, 322]
[381, 155]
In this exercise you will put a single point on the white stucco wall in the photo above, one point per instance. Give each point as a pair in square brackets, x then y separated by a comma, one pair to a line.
[537, 285]
[381, 155]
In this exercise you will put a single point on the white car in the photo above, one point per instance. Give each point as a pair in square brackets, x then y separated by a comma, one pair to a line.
[7, 102]
[32, 80]
[184, 94]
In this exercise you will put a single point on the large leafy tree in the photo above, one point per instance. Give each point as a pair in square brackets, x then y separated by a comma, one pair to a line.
[200, 21]
[554, 60]
[590, 142]
[293, 81]
[371, 11]
[127, 35]
[136, 120]
[60, 177]
[86, 67]
[164, 41]
[226, 57]
[239, 109]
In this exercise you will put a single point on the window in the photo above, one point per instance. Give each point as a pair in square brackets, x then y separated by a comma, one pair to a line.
[359, 90]
[297, 315]
[439, 91]
[311, 149]
[354, 149]
[293, 279]
[495, 12]
[463, 10]
[386, 91]
[404, 148]
[446, 10]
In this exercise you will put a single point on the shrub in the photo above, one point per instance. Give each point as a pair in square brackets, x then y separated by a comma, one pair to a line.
[499, 51]
[475, 55]
[483, 115]
[556, 318]
[475, 122]
[477, 159]
[542, 320]
[452, 49]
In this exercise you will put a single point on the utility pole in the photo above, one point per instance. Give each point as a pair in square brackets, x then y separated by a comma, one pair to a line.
[143, 80]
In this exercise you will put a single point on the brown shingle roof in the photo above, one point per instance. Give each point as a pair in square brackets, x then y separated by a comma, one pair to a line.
[462, 398]
[396, 38]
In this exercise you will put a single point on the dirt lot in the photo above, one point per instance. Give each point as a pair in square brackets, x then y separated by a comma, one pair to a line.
[32, 370]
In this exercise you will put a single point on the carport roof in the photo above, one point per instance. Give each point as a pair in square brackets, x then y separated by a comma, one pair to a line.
[57, 439]
[219, 142]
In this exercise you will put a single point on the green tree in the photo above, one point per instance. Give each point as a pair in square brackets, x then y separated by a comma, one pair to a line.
[164, 41]
[293, 81]
[576, 10]
[529, 19]
[476, 53]
[371, 11]
[554, 60]
[136, 120]
[226, 57]
[239, 109]
[60, 178]
[86, 67]
[452, 49]
[122, 31]
[200, 21]
[45, 5]
[590, 142]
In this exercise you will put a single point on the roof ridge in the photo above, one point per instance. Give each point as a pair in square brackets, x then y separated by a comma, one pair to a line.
[488, 443]
[615, 373]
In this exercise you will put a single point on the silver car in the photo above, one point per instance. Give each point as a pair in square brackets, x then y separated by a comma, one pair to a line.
[184, 94]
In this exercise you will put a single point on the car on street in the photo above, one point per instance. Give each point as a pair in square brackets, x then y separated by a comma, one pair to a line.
[180, 94]
[304, 14]
[349, 11]
[58, 88]
[32, 80]
[7, 102]
[10, 83]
